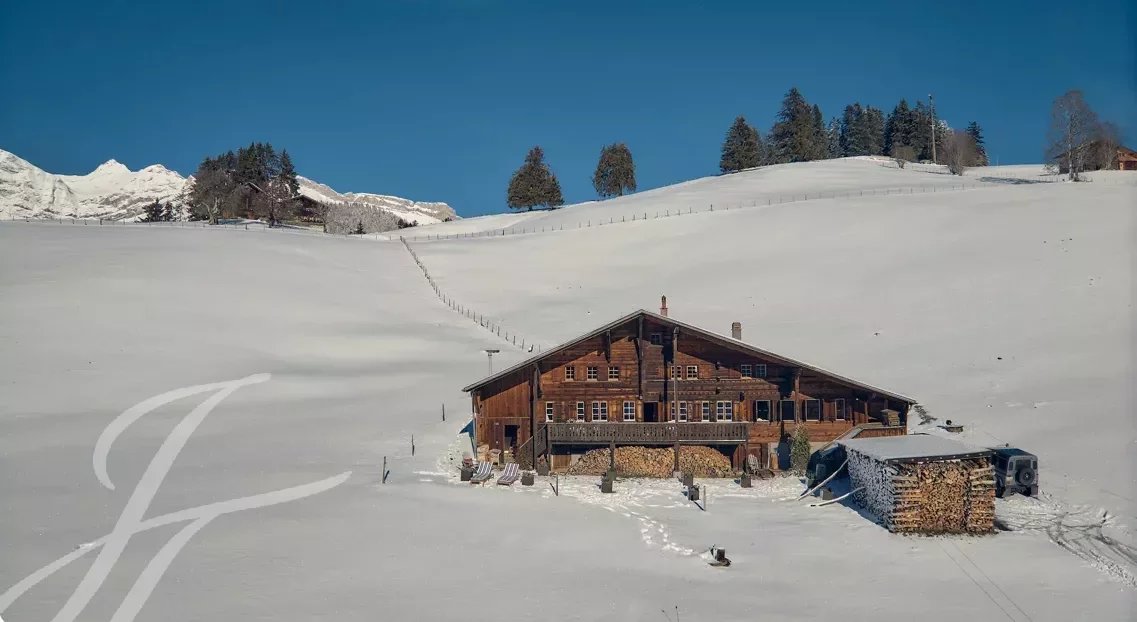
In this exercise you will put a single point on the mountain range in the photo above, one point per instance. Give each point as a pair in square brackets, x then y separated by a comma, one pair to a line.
[115, 192]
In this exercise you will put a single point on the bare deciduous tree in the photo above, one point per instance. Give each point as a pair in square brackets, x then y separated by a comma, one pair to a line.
[903, 154]
[1073, 127]
[959, 152]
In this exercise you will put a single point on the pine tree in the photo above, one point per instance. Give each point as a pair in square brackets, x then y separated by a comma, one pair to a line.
[976, 134]
[534, 184]
[359, 229]
[820, 135]
[851, 143]
[800, 450]
[833, 138]
[794, 133]
[742, 147]
[873, 120]
[615, 172]
[168, 212]
[288, 173]
[899, 128]
[153, 212]
[922, 131]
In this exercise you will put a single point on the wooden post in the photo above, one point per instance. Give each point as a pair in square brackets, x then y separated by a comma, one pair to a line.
[444, 411]
[384, 469]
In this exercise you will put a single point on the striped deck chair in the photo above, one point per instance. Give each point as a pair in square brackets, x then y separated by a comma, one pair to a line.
[483, 474]
[512, 473]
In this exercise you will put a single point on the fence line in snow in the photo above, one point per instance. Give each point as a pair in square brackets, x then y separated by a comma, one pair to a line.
[472, 314]
[668, 213]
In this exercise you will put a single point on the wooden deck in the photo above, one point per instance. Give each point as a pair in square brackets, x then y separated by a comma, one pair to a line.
[646, 433]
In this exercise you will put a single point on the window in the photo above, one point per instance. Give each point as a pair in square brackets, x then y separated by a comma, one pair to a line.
[724, 411]
[839, 409]
[747, 370]
[706, 414]
[580, 411]
[656, 339]
[787, 410]
[683, 411]
[813, 410]
[692, 372]
[592, 373]
[760, 370]
[676, 372]
[761, 410]
[613, 372]
[548, 412]
[599, 411]
[629, 411]
[570, 373]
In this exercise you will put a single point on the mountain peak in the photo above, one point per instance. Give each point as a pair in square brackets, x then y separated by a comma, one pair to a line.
[111, 166]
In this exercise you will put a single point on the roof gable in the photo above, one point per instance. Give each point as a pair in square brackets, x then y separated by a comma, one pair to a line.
[721, 340]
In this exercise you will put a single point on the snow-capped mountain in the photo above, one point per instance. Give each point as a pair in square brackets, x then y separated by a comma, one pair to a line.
[410, 211]
[114, 191]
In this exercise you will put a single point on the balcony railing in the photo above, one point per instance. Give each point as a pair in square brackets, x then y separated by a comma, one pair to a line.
[647, 433]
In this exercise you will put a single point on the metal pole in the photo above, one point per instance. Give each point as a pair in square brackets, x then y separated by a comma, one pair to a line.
[932, 104]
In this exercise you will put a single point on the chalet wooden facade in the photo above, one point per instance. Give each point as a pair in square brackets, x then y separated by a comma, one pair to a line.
[646, 379]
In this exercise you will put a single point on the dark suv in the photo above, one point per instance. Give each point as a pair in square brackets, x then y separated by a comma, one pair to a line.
[1015, 471]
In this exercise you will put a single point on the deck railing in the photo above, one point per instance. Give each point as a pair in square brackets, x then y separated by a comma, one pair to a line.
[647, 433]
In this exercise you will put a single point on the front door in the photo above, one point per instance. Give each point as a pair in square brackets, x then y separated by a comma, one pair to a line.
[651, 412]
[511, 437]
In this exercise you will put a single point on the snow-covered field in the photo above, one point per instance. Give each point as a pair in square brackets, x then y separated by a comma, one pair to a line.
[1007, 308]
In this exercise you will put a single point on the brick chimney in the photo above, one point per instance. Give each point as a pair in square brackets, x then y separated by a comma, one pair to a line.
[663, 306]
[736, 330]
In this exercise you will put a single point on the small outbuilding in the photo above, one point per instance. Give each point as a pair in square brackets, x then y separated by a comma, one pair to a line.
[923, 484]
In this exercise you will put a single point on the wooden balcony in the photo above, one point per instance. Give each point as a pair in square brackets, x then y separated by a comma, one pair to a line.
[603, 433]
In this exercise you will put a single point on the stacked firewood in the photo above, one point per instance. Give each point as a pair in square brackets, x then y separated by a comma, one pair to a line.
[655, 462]
[948, 496]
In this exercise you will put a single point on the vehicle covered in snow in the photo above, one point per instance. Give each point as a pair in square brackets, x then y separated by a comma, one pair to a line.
[1015, 471]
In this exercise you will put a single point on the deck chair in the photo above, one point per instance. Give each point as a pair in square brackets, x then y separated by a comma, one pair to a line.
[512, 473]
[483, 474]
[752, 465]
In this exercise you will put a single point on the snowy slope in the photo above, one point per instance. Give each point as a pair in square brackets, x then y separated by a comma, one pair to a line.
[28, 191]
[413, 212]
[114, 191]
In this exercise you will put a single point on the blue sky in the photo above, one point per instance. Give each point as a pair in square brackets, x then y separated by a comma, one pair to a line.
[440, 100]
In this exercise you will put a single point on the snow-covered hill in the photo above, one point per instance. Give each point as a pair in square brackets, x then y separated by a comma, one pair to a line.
[406, 209]
[114, 191]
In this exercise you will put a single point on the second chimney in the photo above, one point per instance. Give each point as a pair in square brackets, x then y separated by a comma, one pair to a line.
[736, 330]
[663, 306]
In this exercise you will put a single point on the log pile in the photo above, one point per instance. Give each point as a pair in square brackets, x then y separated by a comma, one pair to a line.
[928, 497]
[637, 461]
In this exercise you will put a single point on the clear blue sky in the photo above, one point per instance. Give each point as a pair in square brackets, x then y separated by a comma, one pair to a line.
[439, 100]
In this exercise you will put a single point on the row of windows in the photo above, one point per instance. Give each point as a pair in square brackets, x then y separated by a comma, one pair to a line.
[592, 372]
[724, 410]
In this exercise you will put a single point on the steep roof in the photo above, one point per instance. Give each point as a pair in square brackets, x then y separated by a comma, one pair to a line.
[689, 329]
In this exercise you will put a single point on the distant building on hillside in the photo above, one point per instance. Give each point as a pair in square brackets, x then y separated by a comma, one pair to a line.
[647, 379]
[1120, 158]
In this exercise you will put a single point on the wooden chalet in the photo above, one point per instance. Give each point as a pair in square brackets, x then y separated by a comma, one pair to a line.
[647, 379]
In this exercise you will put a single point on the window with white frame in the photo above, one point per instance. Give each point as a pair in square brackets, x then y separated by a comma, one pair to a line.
[629, 410]
[760, 370]
[692, 372]
[592, 373]
[613, 372]
[762, 410]
[724, 411]
[570, 372]
[787, 410]
[813, 410]
[656, 339]
[839, 409]
[549, 412]
[599, 411]
[580, 411]
[747, 370]
[706, 413]
[682, 411]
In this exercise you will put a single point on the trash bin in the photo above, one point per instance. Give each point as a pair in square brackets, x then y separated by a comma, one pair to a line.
[467, 474]
[606, 485]
[527, 478]
[745, 480]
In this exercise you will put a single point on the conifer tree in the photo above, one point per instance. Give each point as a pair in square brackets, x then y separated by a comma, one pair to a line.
[820, 147]
[533, 184]
[742, 147]
[288, 173]
[899, 128]
[359, 229]
[852, 143]
[976, 134]
[794, 133]
[833, 138]
[874, 131]
[154, 212]
[800, 450]
[615, 172]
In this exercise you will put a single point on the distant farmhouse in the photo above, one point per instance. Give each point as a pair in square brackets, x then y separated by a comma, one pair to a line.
[647, 379]
[1118, 158]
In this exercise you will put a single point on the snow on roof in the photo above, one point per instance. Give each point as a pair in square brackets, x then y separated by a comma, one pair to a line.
[913, 447]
